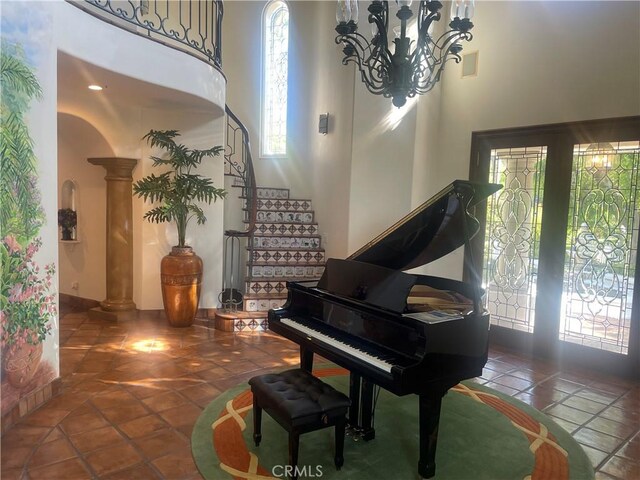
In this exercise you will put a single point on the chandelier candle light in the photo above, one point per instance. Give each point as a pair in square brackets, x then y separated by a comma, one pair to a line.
[403, 73]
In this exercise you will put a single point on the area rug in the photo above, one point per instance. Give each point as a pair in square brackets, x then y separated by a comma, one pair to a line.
[483, 435]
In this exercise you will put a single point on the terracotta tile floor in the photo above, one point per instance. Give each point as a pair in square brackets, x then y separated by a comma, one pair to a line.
[132, 391]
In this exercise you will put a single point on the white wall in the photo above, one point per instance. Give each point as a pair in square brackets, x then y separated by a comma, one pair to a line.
[332, 93]
[150, 87]
[84, 262]
[153, 241]
[539, 63]
[242, 59]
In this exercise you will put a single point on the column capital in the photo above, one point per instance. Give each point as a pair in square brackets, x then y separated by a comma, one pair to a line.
[116, 167]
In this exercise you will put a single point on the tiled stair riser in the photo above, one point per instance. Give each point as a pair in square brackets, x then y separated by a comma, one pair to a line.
[286, 242]
[284, 204]
[251, 325]
[280, 216]
[262, 304]
[300, 272]
[290, 256]
[265, 229]
[273, 193]
[266, 286]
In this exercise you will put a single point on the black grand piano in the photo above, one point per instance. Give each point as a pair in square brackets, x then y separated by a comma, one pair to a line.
[403, 332]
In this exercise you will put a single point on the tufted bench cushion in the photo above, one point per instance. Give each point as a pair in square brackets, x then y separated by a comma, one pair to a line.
[299, 396]
[300, 403]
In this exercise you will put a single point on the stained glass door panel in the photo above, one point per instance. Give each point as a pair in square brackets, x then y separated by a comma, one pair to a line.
[512, 236]
[601, 246]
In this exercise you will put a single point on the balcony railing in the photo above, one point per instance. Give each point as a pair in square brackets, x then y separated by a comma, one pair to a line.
[192, 26]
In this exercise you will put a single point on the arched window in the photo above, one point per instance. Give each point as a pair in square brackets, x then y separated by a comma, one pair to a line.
[275, 67]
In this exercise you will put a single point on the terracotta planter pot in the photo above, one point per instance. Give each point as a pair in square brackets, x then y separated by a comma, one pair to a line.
[21, 362]
[181, 274]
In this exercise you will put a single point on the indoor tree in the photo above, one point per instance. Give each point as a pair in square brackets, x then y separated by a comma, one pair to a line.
[178, 189]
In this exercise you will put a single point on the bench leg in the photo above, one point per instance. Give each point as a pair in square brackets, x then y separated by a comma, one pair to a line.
[257, 422]
[294, 441]
[339, 459]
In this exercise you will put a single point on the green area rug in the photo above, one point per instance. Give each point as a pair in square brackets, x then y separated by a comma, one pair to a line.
[483, 435]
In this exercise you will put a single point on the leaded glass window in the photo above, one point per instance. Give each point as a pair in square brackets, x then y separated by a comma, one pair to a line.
[274, 80]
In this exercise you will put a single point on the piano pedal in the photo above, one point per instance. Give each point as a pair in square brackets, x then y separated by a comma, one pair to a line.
[356, 433]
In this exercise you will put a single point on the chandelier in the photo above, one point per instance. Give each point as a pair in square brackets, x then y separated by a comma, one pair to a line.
[405, 72]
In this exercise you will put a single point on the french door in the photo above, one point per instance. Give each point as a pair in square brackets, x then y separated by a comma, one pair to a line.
[558, 249]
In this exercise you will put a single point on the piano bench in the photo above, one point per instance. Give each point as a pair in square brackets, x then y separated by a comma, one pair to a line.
[300, 403]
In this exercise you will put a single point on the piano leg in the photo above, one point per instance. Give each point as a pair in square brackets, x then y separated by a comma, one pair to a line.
[306, 359]
[354, 395]
[429, 419]
[368, 433]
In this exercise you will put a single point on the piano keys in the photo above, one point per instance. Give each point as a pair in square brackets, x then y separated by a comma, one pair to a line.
[407, 333]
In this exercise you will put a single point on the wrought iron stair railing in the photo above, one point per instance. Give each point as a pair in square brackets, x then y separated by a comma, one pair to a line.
[239, 166]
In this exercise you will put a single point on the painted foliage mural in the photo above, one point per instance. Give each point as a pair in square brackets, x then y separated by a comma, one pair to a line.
[28, 303]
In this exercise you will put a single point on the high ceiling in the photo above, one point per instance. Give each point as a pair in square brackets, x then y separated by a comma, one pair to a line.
[75, 75]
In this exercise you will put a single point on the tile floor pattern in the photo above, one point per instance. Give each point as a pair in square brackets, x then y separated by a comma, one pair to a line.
[132, 391]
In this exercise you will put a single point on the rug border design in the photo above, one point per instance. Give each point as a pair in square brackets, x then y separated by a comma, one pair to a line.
[550, 459]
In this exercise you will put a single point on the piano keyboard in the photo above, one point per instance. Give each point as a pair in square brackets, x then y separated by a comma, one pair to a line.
[345, 347]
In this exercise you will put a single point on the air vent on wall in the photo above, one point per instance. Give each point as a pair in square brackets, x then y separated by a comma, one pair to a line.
[470, 64]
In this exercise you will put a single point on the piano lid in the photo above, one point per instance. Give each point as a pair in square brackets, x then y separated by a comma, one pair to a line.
[437, 227]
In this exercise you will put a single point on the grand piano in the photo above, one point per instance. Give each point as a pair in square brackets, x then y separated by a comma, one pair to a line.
[407, 333]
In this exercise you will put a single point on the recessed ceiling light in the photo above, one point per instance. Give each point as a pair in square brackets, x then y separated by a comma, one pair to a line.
[95, 87]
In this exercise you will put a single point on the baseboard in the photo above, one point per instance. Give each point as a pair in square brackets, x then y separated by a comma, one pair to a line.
[31, 402]
[78, 302]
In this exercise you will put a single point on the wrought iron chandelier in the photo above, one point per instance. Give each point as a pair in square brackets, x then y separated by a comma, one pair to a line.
[403, 73]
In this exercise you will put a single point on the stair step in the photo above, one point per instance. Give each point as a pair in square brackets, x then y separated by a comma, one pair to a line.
[291, 205]
[291, 256]
[263, 302]
[273, 193]
[273, 285]
[284, 216]
[266, 229]
[241, 321]
[286, 242]
[297, 272]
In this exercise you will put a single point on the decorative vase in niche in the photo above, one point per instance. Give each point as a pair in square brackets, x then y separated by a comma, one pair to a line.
[67, 234]
[20, 363]
[181, 274]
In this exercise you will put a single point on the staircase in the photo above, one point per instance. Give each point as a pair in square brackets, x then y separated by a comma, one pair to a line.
[286, 246]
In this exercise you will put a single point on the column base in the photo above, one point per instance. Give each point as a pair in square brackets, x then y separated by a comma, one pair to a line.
[117, 305]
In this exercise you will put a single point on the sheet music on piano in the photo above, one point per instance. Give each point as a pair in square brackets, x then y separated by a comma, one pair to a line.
[434, 316]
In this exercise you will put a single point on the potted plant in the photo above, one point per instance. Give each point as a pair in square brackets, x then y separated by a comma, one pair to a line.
[26, 309]
[67, 220]
[177, 191]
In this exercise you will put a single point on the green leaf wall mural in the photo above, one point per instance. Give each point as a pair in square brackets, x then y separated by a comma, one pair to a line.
[21, 214]
[28, 304]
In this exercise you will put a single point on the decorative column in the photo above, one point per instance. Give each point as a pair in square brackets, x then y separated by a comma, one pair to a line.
[119, 234]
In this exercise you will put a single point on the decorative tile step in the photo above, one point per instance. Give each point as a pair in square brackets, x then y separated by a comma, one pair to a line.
[299, 272]
[279, 216]
[262, 302]
[241, 321]
[291, 256]
[286, 242]
[274, 285]
[286, 229]
[273, 193]
[284, 204]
